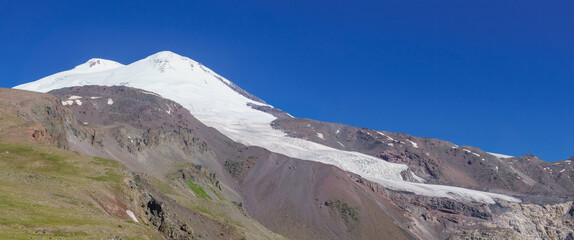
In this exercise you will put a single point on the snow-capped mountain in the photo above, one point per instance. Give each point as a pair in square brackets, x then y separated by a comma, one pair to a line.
[220, 104]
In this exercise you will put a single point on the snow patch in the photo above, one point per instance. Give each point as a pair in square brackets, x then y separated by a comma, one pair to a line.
[79, 102]
[388, 137]
[151, 93]
[132, 215]
[320, 135]
[68, 102]
[169, 110]
[110, 101]
[340, 144]
[471, 152]
[74, 97]
[498, 155]
[413, 143]
[95, 97]
[562, 170]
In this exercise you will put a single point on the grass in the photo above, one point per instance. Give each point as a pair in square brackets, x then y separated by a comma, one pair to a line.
[199, 192]
[50, 193]
[5, 148]
[348, 214]
[217, 194]
[162, 186]
[111, 168]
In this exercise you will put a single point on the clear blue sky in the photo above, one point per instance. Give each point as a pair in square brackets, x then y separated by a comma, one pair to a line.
[498, 75]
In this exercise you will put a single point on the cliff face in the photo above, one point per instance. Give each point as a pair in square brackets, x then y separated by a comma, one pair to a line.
[144, 131]
[443, 218]
[40, 116]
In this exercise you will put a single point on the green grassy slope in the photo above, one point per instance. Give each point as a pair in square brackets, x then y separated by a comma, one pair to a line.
[47, 192]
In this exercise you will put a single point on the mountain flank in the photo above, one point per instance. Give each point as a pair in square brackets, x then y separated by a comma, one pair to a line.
[200, 158]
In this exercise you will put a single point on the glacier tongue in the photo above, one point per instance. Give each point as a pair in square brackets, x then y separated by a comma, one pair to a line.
[210, 99]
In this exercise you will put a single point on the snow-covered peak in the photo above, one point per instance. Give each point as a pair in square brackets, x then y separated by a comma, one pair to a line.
[96, 65]
[69, 78]
[166, 55]
[167, 61]
[220, 104]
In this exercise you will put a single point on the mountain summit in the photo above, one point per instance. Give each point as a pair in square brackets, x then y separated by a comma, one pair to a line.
[215, 101]
[170, 61]
[96, 65]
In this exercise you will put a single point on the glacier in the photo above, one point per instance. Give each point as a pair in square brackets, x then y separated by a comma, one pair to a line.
[209, 97]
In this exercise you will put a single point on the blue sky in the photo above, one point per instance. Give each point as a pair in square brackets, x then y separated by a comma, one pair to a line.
[498, 75]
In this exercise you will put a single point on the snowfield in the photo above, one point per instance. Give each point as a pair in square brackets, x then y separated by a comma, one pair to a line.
[209, 98]
[498, 155]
